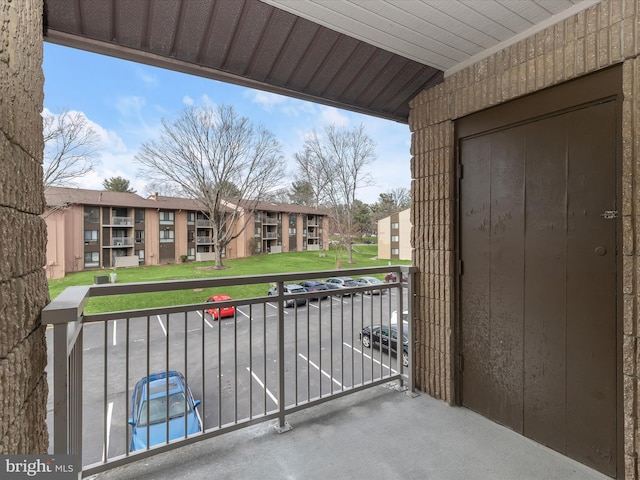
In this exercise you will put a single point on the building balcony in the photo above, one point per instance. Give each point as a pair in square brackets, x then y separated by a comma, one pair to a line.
[283, 392]
[203, 223]
[204, 240]
[122, 242]
[121, 222]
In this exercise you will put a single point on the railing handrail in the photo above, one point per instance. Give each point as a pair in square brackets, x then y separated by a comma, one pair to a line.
[66, 314]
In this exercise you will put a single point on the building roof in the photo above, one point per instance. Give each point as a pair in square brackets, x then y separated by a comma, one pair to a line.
[369, 56]
[57, 197]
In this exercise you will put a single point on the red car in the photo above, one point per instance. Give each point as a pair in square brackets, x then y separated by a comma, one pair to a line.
[220, 312]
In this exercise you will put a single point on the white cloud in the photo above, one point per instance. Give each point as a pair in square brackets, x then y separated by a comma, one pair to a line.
[130, 106]
[266, 100]
[146, 77]
[187, 100]
[333, 116]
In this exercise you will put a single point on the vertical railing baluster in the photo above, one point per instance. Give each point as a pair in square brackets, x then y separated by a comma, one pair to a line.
[166, 379]
[127, 406]
[204, 370]
[219, 330]
[186, 375]
[104, 394]
[235, 366]
[250, 359]
[148, 433]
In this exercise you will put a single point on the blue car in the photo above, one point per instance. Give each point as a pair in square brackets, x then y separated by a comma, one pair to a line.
[153, 406]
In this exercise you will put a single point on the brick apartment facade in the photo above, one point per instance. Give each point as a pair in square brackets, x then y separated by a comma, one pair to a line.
[90, 229]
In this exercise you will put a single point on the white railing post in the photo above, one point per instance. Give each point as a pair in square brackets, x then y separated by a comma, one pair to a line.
[65, 314]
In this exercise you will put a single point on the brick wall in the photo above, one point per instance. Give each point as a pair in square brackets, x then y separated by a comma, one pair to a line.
[605, 34]
[23, 288]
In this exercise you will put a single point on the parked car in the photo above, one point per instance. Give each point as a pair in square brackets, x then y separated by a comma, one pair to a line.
[378, 337]
[220, 312]
[364, 281]
[290, 289]
[152, 407]
[341, 283]
[315, 286]
[391, 277]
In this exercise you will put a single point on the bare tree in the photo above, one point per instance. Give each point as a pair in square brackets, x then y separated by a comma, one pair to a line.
[70, 147]
[341, 156]
[310, 171]
[203, 152]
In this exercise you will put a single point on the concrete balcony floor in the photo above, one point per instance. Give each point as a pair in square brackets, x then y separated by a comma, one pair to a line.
[374, 434]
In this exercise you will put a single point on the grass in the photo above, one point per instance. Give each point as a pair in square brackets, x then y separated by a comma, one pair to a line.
[363, 256]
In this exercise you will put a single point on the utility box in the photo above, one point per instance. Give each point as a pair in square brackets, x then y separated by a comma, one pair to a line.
[100, 279]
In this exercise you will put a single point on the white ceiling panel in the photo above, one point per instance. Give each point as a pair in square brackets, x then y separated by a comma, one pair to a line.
[445, 34]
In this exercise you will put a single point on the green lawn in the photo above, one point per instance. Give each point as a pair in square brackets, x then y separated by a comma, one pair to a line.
[364, 256]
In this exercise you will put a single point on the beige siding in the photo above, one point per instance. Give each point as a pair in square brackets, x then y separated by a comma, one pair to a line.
[180, 234]
[151, 237]
[602, 35]
[405, 234]
[384, 238]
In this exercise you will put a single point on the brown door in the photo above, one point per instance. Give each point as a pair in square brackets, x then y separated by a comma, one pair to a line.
[538, 303]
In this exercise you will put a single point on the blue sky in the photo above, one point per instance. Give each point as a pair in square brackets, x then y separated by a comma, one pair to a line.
[125, 101]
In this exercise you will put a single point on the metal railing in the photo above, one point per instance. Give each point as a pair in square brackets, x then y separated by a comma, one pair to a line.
[261, 363]
[122, 241]
[122, 221]
[204, 240]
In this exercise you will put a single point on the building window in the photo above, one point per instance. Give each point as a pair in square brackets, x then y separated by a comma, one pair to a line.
[91, 259]
[140, 254]
[139, 236]
[90, 236]
[91, 215]
[166, 236]
[292, 231]
[139, 215]
[190, 236]
[166, 217]
[395, 251]
[191, 218]
[191, 253]
[395, 238]
[395, 226]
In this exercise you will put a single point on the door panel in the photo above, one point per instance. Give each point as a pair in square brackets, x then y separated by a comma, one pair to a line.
[538, 289]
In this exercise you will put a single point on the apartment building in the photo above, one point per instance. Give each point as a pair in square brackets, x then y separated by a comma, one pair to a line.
[394, 236]
[90, 229]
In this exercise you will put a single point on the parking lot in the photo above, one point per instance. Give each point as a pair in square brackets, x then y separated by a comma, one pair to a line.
[231, 364]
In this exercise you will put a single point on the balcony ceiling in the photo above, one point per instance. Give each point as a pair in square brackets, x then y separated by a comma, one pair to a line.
[369, 56]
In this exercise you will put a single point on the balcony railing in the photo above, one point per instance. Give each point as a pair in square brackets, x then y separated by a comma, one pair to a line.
[260, 364]
[122, 242]
[204, 240]
[203, 223]
[122, 221]
[270, 235]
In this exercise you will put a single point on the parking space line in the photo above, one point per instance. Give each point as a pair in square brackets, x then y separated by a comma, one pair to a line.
[368, 356]
[205, 319]
[276, 307]
[257, 379]
[238, 310]
[108, 421]
[321, 371]
[162, 325]
[115, 323]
